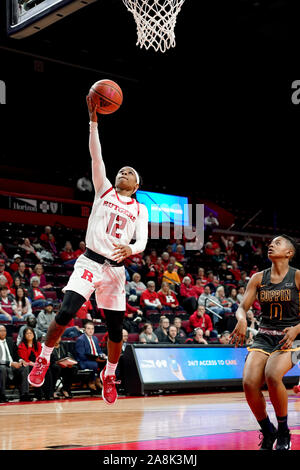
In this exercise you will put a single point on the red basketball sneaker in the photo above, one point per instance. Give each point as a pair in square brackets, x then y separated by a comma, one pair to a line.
[109, 392]
[37, 376]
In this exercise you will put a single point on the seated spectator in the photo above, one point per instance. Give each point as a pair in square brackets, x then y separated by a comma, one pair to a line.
[120, 370]
[252, 325]
[163, 328]
[225, 275]
[244, 280]
[179, 253]
[38, 271]
[171, 276]
[202, 276]
[200, 319]
[134, 263]
[147, 335]
[45, 236]
[51, 246]
[160, 269]
[28, 350]
[133, 316]
[197, 337]
[208, 249]
[153, 256]
[235, 271]
[23, 304]
[165, 259]
[182, 273]
[89, 354]
[181, 333]
[29, 250]
[10, 290]
[172, 337]
[240, 294]
[199, 288]
[45, 316]
[86, 311]
[23, 273]
[81, 249]
[15, 286]
[36, 294]
[175, 245]
[11, 368]
[14, 266]
[149, 270]
[224, 337]
[212, 281]
[189, 295]
[218, 257]
[31, 321]
[221, 298]
[59, 371]
[135, 288]
[206, 298]
[8, 308]
[149, 298]
[68, 255]
[5, 273]
[233, 296]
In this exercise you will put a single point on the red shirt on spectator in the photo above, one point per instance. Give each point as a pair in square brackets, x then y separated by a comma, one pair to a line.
[84, 309]
[204, 322]
[24, 352]
[168, 299]
[151, 296]
[188, 291]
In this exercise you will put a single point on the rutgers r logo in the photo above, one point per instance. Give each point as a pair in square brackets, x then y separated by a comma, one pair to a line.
[87, 275]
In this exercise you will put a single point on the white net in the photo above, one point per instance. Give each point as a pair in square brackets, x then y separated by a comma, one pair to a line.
[155, 20]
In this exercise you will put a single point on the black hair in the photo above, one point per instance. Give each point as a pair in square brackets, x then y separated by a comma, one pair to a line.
[295, 258]
[34, 341]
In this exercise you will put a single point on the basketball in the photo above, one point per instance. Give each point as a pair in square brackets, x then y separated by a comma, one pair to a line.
[107, 95]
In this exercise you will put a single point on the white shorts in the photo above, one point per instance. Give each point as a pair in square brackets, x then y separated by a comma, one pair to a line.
[108, 281]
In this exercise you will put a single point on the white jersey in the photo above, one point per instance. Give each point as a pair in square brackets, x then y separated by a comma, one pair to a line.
[116, 219]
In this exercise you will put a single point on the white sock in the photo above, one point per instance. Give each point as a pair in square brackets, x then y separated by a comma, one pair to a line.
[46, 352]
[110, 369]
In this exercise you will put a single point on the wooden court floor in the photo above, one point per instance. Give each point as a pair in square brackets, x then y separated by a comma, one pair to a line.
[212, 421]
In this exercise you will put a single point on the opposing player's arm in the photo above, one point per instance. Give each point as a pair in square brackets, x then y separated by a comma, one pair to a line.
[98, 167]
[239, 333]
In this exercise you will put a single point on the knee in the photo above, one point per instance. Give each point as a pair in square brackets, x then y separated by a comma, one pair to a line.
[273, 379]
[251, 384]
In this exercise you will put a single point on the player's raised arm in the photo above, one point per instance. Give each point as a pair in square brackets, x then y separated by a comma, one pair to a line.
[98, 167]
[239, 333]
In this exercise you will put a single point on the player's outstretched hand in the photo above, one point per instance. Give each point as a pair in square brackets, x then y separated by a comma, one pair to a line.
[121, 252]
[92, 109]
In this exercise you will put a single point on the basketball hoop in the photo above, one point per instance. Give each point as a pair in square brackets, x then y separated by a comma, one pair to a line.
[155, 20]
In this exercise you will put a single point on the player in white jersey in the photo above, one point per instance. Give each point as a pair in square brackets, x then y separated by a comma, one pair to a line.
[115, 219]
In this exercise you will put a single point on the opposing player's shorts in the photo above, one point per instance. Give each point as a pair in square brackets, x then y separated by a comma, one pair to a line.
[108, 281]
[268, 343]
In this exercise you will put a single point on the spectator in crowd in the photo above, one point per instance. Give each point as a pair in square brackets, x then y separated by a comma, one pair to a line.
[176, 244]
[168, 298]
[23, 273]
[189, 295]
[181, 333]
[5, 273]
[45, 316]
[235, 271]
[45, 235]
[165, 259]
[32, 322]
[212, 281]
[252, 325]
[8, 308]
[147, 335]
[172, 337]
[81, 249]
[29, 250]
[240, 294]
[149, 270]
[84, 188]
[244, 280]
[51, 245]
[15, 286]
[182, 273]
[38, 271]
[134, 263]
[199, 288]
[163, 328]
[28, 350]
[36, 294]
[86, 311]
[89, 354]
[135, 288]
[120, 370]
[67, 254]
[10, 290]
[65, 373]
[200, 319]
[23, 305]
[133, 316]
[13, 267]
[210, 222]
[149, 298]
[233, 298]
[224, 337]
[171, 276]
[197, 337]
[218, 257]
[11, 368]
[225, 275]
[179, 253]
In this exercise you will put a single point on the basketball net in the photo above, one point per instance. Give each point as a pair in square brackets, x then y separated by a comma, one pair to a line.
[155, 20]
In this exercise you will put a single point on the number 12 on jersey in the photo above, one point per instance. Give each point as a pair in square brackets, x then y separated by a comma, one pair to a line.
[115, 225]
